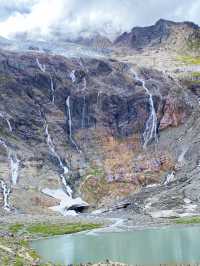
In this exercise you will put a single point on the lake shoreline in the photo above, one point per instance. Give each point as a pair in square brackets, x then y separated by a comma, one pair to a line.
[19, 241]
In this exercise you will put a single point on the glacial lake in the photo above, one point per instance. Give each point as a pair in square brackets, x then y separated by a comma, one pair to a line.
[168, 245]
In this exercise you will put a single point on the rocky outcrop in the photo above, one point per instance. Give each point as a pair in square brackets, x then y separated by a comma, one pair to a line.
[174, 113]
[82, 114]
[160, 34]
[96, 41]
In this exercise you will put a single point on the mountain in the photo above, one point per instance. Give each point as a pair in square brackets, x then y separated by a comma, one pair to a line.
[82, 130]
[59, 113]
[96, 41]
[164, 33]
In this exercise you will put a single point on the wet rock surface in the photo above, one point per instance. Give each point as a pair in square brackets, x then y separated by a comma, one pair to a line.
[96, 111]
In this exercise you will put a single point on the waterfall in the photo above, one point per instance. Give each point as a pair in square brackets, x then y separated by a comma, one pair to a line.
[170, 177]
[13, 161]
[7, 121]
[65, 194]
[65, 169]
[52, 90]
[84, 103]
[41, 67]
[73, 76]
[150, 132]
[99, 99]
[53, 150]
[6, 194]
[14, 166]
[9, 125]
[70, 123]
[181, 157]
[83, 113]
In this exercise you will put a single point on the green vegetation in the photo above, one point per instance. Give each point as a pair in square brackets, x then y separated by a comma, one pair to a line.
[14, 228]
[191, 220]
[51, 230]
[189, 60]
[95, 172]
[18, 261]
[15, 250]
[195, 75]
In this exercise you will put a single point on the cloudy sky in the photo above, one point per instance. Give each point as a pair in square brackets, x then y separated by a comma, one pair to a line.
[43, 17]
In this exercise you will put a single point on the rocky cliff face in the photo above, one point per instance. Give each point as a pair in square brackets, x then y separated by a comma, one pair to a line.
[89, 115]
[164, 34]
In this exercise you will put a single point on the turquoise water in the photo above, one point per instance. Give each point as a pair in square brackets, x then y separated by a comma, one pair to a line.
[145, 247]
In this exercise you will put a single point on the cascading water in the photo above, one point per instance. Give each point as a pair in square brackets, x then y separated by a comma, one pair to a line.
[53, 151]
[52, 90]
[70, 123]
[83, 113]
[67, 203]
[41, 67]
[99, 99]
[6, 194]
[170, 177]
[64, 195]
[73, 76]
[84, 98]
[13, 161]
[7, 121]
[150, 132]
[14, 166]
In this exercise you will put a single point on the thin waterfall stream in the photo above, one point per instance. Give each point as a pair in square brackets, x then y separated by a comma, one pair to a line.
[42, 68]
[14, 164]
[65, 169]
[63, 194]
[52, 90]
[67, 202]
[13, 161]
[4, 116]
[150, 132]
[6, 195]
[70, 123]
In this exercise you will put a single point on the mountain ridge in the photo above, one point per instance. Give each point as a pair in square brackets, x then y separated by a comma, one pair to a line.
[157, 35]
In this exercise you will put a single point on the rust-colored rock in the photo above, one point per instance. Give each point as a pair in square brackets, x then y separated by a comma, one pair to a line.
[174, 113]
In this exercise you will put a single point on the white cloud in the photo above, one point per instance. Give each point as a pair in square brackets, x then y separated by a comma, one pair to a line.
[72, 17]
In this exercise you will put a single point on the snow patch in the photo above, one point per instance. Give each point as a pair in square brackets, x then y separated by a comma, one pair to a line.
[66, 202]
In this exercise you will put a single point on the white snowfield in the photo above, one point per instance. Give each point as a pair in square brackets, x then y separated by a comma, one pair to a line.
[66, 202]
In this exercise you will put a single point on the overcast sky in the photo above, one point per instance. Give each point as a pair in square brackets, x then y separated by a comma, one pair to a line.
[42, 17]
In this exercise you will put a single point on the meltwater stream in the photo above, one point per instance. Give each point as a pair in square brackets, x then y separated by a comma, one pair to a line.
[68, 204]
[13, 161]
[6, 195]
[170, 245]
[70, 123]
[64, 194]
[4, 116]
[150, 132]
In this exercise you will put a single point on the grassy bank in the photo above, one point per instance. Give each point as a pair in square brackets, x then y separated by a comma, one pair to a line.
[190, 220]
[14, 240]
[189, 60]
[51, 229]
